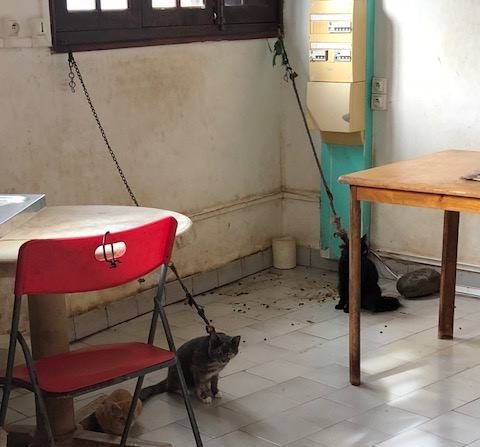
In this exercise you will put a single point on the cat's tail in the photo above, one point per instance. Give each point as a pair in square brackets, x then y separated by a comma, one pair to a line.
[150, 391]
[386, 304]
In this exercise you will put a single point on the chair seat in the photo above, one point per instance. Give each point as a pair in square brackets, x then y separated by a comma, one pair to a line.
[80, 369]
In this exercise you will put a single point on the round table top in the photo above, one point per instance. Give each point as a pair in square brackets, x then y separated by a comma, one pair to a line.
[82, 220]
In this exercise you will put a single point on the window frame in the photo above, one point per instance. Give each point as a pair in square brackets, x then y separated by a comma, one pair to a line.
[142, 25]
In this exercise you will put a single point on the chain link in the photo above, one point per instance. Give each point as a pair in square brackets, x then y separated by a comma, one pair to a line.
[71, 75]
[73, 65]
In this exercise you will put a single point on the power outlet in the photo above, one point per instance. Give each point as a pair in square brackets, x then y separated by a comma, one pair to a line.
[379, 85]
[11, 28]
[379, 102]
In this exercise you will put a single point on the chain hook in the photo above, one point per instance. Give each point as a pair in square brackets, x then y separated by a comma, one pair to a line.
[71, 74]
[113, 262]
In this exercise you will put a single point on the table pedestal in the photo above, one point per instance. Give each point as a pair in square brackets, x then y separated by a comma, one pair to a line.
[47, 328]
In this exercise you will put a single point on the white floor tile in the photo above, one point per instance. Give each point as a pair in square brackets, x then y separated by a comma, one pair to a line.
[261, 404]
[417, 438]
[347, 434]
[296, 341]
[454, 426]
[330, 329]
[230, 323]
[305, 442]
[263, 352]
[219, 421]
[333, 375]
[281, 429]
[242, 383]
[175, 434]
[278, 326]
[301, 390]
[472, 408]
[156, 413]
[457, 388]
[278, 370]
[238, 439]
[389, 420]
[322, 412]
[427, 403]
[360, 398]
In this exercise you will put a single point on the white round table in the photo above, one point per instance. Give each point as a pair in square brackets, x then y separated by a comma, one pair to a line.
[48, 314]
[82, 220]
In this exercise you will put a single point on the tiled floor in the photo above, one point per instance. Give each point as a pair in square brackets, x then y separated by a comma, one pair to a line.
[289, 384]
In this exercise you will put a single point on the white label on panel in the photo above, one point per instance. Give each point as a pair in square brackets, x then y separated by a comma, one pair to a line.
[330, 46]
[330, 17]
[340, 26]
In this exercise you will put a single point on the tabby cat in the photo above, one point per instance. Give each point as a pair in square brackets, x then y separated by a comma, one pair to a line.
[112, 413]
[201, 360]
[371, 294]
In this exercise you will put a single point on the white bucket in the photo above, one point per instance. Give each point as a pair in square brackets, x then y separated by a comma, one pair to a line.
[284, 252]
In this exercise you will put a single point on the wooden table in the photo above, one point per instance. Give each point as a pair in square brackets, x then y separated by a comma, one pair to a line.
[48, 315]
[432, 181]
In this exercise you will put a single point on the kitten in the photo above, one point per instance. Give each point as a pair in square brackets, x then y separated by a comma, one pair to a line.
[112, 414]
[201, 360]
[371, 294]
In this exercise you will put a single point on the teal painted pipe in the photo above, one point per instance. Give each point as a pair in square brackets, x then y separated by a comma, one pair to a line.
[338, 160]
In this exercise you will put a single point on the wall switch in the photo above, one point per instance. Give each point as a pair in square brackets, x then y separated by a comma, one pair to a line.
[379, 85]
[37, 26]
[379, 102]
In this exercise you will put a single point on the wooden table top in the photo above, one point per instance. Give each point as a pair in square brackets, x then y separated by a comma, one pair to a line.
[438, 173]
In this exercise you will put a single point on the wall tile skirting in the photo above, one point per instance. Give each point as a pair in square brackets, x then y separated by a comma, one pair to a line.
[101, 318]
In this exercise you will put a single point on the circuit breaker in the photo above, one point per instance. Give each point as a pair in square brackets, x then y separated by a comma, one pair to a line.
[337, 57]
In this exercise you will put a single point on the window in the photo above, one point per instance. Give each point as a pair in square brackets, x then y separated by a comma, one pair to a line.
[96, 24]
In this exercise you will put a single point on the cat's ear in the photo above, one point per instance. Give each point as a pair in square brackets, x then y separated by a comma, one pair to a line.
[214, 339]
[236, 341]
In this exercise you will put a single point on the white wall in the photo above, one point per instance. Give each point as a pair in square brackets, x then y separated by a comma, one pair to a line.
[196, 128]
[428, 51]
[299, 172]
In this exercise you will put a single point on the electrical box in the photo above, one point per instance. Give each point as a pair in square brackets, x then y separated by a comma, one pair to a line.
[337, 106]
[338, 33]
[337, 62]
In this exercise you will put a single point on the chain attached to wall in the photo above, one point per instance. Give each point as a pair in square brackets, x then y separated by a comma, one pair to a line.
[73, 68]
[291, 75]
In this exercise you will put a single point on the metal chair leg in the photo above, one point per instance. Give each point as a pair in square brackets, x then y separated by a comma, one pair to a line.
[131, 411]
[36, 389]
[188, 405]
[12, 344]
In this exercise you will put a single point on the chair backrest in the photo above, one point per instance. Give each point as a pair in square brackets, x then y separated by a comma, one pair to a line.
[69, 265]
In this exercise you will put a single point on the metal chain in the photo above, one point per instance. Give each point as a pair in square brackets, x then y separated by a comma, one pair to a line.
[71, 75]
[290, 74]
[73, 64]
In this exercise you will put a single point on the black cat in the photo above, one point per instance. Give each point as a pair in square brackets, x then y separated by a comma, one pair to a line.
[201, 360]
[371, 294]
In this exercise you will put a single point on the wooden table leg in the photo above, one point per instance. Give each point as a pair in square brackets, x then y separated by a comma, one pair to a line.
[449, 272]
[47, 315]
[354, 287]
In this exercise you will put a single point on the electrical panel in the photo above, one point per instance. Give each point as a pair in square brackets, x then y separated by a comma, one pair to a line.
[337, 57]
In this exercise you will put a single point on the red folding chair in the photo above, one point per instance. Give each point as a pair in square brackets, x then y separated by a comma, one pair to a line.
[59, 266]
